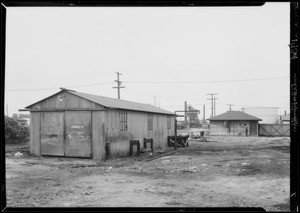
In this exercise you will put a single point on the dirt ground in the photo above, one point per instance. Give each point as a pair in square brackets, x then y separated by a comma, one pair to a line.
[223, 172]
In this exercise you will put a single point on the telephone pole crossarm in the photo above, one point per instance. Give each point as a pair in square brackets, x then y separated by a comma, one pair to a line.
[229, 106]
[213, 106]
[119, 84]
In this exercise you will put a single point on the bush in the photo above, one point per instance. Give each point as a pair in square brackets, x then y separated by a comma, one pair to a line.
[14, 132]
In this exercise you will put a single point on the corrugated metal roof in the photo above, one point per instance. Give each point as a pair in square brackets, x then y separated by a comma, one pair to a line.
[234, 116]
[121, 104]
[112, 103]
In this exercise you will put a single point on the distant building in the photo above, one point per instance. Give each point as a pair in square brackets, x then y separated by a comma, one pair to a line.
[22, 119]
[234, 123]
[26, 116]
[23, 122]
[268, 115]
[284, 119]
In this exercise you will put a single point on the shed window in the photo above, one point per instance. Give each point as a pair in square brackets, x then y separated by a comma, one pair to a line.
[123, 121]
[169, 123]
[150, 122]
[226, 124]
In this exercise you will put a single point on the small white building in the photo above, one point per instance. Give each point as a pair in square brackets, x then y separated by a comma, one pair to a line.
[284, 119]
[23, 121]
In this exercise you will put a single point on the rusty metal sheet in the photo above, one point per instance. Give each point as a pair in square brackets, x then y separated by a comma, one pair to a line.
[52, 133]
[78, 134]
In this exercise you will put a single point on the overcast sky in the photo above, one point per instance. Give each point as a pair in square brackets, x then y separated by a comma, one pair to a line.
[167, 54]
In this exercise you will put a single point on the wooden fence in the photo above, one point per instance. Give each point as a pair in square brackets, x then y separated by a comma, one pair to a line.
[274, 130]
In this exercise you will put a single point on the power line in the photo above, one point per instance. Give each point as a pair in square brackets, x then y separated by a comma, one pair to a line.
[190, 99]
[55, 88]
[197, 82]
[148, 82]
[245, 105]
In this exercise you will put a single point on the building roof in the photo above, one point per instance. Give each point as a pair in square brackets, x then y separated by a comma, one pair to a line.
[116, 103]
[234, 116]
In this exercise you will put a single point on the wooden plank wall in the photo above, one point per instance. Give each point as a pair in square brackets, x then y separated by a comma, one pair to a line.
[35, 137]
[98, 137]
[137, 130]
[78, 134]
[52, 133]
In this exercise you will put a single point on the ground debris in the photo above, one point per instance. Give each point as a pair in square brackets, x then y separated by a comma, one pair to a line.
[190, 169]
[86, 193]
[18, 154]
[86, 165]
[162, 155]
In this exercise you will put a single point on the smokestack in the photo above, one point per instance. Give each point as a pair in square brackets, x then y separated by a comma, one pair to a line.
[203, 113]
[284, 112]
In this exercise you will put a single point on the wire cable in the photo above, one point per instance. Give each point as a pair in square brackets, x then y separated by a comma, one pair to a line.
[200, 82]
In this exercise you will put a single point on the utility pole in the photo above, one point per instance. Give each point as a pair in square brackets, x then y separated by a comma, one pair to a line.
[189, 115]
[203, 113]
[215, 106]
[229, 106]
[212, 103]
[119, 84]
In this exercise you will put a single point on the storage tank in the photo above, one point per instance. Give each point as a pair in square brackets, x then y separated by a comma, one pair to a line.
[269, 115]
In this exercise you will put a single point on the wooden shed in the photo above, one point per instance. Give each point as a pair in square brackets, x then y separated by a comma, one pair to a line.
[234, 123]
[75, 124]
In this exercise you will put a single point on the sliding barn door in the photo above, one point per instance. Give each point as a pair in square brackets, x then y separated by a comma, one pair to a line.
[52, 133]
[78, 134]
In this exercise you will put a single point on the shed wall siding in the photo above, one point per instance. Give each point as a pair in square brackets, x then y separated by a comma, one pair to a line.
[218, 128]
[35, 137]
[137, 129]
[98, 142]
